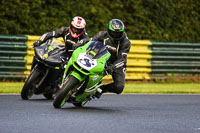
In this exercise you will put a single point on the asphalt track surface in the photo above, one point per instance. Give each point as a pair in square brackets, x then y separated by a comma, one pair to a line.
[109, 114]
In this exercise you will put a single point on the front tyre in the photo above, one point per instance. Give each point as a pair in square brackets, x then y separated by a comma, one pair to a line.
[60, 98]
[27, 90]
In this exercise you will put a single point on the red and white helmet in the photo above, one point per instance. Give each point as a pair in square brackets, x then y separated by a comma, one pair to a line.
[77, 26]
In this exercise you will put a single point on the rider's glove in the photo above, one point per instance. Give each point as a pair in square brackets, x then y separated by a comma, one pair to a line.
[72, 43]
[75, 46]
[37, 43]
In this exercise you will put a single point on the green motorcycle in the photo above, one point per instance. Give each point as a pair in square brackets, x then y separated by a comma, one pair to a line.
[83, 75]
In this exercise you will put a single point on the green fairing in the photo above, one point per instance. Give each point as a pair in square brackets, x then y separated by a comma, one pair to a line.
[94, 80]
[95, 74]
[101, 64]
[90, 89]
[78, 76]
[101, 61]
[74, 58]
[83, 96]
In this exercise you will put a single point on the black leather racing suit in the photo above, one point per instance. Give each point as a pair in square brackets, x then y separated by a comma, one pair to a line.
[65, 34]
[119, 50]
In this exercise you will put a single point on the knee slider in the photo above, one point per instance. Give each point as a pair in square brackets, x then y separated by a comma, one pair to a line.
[119, 89]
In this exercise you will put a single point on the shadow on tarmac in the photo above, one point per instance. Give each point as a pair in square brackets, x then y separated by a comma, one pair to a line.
[92, 109]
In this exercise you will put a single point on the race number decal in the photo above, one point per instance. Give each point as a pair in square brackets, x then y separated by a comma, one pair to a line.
[85, 62]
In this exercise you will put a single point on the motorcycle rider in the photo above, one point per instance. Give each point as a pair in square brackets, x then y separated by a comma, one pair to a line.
[71, 35]
[118, 45]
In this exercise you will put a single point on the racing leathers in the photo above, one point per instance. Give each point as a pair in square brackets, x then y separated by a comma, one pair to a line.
[70, 42]
[63, 32]
[117, 62]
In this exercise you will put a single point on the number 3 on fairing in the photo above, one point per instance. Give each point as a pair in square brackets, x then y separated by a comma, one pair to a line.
[85, 62]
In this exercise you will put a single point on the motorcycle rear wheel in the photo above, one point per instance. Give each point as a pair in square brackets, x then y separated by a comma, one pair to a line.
[27, 90]
[61, 95]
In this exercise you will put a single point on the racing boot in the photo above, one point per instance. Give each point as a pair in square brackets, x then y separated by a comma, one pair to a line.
[99, 92]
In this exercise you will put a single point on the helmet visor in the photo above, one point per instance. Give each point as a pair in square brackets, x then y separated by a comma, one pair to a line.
[115, 35]
[76, 30]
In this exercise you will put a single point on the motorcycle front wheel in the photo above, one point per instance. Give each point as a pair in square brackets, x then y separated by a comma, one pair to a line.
[60, 98]
[27, 90]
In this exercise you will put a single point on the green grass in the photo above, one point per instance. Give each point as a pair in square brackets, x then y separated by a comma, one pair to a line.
[192, 88]
[186, 88]
[10, 87]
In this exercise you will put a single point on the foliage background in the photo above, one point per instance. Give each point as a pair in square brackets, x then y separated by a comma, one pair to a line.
[158, 20]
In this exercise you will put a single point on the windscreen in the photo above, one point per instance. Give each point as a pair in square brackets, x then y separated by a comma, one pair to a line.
[96, 49]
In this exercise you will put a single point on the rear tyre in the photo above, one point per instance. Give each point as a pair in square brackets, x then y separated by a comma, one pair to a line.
[27, 90]
[60, 98]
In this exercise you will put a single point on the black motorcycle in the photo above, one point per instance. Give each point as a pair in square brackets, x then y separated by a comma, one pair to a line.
[47, 69]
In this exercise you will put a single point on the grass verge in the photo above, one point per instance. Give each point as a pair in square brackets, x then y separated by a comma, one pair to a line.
[186, 88]
[11, 87]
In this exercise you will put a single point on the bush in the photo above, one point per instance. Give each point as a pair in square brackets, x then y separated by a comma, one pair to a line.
[158, 20]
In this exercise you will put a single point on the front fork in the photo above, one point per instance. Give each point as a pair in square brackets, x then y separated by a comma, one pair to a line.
[37, 68]
[43, 78]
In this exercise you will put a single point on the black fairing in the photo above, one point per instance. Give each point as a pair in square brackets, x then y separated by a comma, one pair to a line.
[98, 48]
[54, 56]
